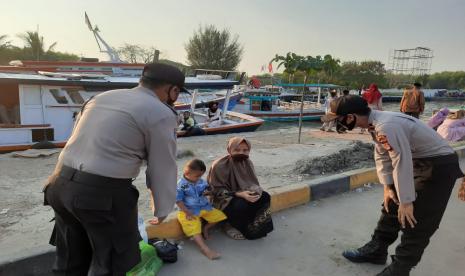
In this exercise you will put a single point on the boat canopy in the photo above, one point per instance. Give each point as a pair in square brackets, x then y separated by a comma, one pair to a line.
[322, 85]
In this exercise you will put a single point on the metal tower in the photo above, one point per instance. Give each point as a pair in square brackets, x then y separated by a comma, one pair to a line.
[414, 62]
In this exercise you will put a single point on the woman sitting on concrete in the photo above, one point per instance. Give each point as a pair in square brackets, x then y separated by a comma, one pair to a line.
[238, 194]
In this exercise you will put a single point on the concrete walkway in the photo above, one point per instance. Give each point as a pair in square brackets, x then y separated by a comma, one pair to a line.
[308, 240]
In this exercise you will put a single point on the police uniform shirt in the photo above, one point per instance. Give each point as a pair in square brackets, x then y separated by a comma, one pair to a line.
[119, 129]
[399, 139]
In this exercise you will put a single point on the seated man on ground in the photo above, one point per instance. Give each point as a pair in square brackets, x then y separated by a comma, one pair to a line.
[194, 205]
[187, 121]
[236, 191]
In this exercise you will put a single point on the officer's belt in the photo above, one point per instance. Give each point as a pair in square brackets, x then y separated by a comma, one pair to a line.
[92, 179]
[441, 159]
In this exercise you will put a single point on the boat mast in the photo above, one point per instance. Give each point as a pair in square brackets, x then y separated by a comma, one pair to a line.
[113, 55]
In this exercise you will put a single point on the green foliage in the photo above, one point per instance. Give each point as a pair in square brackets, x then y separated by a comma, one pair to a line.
[210, 48]
[34, 49]
[34, 43]
[134, 53]
[357, 74]
[447, 80]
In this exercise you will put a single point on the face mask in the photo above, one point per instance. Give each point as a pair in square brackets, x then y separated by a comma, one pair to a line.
[240, 157]
[343, 125]
[214, 108]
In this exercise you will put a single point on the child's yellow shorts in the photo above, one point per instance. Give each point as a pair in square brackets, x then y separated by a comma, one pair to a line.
[194, 226]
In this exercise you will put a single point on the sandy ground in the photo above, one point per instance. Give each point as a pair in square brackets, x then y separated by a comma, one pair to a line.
[278, 159]
[308, 240]
[275, 154]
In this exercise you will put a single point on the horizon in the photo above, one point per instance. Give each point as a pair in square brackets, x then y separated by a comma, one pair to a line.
[344, 30]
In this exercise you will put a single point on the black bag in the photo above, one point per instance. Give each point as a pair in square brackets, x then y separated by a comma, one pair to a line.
[166, 251]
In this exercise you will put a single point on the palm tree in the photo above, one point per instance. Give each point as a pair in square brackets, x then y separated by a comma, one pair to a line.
[330, 65]
[290, 63]
[35, 43]
[3, 42]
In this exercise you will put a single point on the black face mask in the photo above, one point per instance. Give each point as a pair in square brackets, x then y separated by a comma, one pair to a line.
[214, 108]
[342, 125]
[240, 157]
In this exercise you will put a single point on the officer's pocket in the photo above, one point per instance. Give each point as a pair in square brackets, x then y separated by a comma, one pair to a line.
[94, 209]
[422, 173]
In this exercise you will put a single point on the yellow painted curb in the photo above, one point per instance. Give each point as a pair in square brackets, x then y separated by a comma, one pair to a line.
[362, 176]
[289, 196]
[168, 229]
[281, 198]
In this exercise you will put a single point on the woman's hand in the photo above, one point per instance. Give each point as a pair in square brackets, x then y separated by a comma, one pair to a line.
[405, 213]
[248, 195]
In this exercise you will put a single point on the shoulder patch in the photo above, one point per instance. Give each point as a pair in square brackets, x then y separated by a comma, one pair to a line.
[383, 140]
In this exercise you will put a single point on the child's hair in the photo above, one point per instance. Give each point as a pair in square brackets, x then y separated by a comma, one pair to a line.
[196, 165]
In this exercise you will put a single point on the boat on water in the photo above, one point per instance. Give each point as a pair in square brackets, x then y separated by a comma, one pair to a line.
[273, 108]
[38, 107]
[231, 122]
[281, 103]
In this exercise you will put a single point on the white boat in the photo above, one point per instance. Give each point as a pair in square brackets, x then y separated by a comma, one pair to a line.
[37, 107]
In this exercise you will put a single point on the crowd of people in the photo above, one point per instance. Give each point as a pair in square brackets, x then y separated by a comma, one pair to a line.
[95, 204]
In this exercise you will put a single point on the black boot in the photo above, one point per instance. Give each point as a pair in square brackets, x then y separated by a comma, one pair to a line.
[374, 252]
[395, 269]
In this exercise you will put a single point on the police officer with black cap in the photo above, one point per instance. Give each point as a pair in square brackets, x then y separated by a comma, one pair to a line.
[418, 170]
[91, 189]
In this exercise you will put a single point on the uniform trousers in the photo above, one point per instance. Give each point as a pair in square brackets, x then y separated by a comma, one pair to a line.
[95, 229]
[434, 181]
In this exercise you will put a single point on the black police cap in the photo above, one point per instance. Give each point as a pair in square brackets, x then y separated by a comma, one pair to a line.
[344, 105]
[164, 73]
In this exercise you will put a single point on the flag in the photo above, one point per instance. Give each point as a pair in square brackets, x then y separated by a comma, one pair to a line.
[263, 68]
[270, 67]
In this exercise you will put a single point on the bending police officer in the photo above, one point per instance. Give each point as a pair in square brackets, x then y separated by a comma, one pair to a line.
[91, 190]
[418, 169]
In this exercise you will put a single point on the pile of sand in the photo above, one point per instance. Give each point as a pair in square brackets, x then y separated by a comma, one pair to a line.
[357, 155]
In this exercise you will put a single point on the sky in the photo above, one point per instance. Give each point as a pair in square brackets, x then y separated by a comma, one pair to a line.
[347, 29]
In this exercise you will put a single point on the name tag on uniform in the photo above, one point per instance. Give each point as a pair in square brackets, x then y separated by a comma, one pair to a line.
[383, 140]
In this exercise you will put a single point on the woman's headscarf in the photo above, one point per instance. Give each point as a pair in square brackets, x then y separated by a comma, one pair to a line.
[228, 174]
[372, 94]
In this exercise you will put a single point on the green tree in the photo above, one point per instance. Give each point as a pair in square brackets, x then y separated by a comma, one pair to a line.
[3, 42]
[357, 74]
[134, 53]
[210, 48]
[290, 62]
[35, 44]
[330, 65]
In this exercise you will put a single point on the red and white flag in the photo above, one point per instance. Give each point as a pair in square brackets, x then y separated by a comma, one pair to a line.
[270, 67]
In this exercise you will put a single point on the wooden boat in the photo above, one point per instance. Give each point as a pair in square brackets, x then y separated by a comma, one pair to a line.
[233, 122]
[271, 107]
[35, 107]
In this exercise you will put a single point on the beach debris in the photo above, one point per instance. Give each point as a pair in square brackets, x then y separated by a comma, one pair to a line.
[368, 185]
[35, 153]
[357, 155]
[184, 153]
[4, 211]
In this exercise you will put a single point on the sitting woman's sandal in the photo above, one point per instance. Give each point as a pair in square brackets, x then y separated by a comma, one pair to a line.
[233, 233]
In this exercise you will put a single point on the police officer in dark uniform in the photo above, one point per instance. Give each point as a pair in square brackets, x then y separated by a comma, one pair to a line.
[91, 190]
[418, 170]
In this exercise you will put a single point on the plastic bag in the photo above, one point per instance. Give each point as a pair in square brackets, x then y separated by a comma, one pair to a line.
[141, 226]
[149, 265]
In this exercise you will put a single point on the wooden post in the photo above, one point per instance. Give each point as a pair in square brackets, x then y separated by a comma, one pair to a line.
[302, 108]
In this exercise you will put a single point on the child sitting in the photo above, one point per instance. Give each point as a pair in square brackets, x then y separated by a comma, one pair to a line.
[194, 205]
